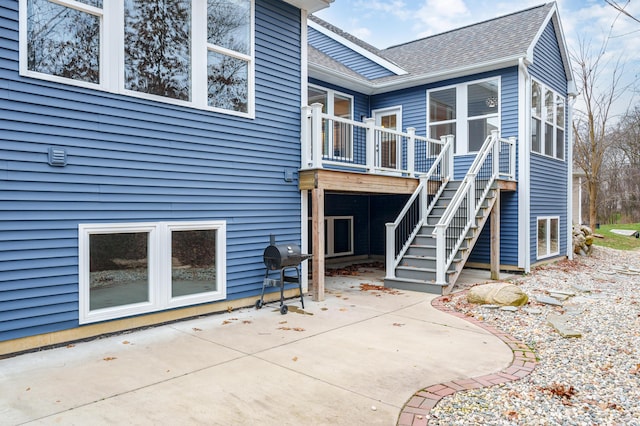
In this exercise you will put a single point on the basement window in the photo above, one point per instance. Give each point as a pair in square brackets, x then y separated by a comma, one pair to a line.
[137, 268]
[548, 237]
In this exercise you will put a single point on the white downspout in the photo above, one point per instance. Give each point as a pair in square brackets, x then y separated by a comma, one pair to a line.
[524, 169]
[570, 180]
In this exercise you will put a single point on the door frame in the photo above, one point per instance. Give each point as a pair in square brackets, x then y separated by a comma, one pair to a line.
[377, 115]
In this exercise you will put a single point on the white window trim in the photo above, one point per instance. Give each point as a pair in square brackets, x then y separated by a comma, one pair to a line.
[330, 111]
[549, 253]
[330, 244]
[462, 113]
[543, 122]
[329, 229]
[112, 55]
[159, 266]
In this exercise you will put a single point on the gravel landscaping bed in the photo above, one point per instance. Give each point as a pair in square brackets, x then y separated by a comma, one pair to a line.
[589, 380]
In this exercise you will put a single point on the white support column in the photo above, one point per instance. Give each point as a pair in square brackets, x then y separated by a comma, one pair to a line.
[411, 151]
[370, 144]
[390, 252]
[449, 156]
[471, 197]
[316, 135]
[305, 137]
[495, 238]
[440, 255]
[495, 137]
[512, 158]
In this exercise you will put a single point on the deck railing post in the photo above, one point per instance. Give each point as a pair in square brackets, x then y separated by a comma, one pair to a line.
[440, 254]
[316, 135]
[471, 199]
[370, 144]
[390, 250]
[305, 137]
[448, 158]
[495, 152]
[411, 151]
[512, 157]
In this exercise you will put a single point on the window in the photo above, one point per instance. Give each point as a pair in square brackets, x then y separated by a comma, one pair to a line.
[196, 53]
[471, 109]
[547, 121]
[337, 140]
[548, 237]
[338, 236]
[130, 269]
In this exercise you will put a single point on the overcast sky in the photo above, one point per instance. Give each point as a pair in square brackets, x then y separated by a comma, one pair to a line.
[385, 23]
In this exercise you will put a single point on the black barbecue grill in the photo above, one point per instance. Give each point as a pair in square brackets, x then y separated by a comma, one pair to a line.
[285, 258]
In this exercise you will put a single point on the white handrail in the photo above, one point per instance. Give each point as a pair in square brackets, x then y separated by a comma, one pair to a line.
[391, 258]
[467, 191]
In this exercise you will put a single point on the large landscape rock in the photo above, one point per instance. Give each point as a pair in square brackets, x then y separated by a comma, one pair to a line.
[497, 294]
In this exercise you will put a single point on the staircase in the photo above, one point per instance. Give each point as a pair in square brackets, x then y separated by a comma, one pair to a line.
[433, 236]
[417, 269]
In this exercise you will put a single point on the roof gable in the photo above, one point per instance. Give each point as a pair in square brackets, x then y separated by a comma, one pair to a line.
[487, 45]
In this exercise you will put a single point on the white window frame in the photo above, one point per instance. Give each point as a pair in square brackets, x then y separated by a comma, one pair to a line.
[112, 55]
[330, 243]
[462, 112]
[548, 220]
[330, 111]
[159, 267]
[557, 99]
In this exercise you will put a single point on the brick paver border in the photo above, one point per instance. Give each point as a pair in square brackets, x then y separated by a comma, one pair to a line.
[416, 411]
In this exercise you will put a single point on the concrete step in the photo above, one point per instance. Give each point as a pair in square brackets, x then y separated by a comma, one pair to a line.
[420, 274]
[414, 285]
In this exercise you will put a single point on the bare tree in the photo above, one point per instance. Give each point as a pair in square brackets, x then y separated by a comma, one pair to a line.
[592, 126]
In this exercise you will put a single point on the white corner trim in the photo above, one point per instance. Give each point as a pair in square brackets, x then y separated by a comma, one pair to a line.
[524, 194]
[371, 56]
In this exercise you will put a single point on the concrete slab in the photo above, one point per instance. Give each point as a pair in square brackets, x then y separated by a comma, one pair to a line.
[354, 358]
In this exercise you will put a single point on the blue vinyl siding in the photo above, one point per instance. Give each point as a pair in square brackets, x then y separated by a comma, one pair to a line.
[549, 175]
[133, 160]
[349, 58]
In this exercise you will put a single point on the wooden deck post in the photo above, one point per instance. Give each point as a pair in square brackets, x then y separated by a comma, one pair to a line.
[317, 235]
[495, 238]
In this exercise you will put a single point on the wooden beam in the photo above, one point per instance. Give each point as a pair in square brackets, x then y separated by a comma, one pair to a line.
[335, 180]
[317, 235]
[495, 238]
[507, 185]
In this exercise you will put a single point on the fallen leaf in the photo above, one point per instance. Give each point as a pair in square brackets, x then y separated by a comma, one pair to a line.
[246, 322]
[298, 329]
[397, 324]
[126, 342]
[196, 329]
[294, 359]
[225, 322]
[635, 370]
[27, 389]
[70, 346]
[282, 322]
[229, 309]
[284, 328]
[109, 358]
[324, 309]
[511, 414]
[343, 309]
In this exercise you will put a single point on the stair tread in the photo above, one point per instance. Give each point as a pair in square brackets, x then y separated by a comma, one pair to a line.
[411, 280]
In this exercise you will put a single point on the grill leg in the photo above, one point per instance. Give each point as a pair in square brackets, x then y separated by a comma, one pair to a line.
[282, 286]
[300, 286]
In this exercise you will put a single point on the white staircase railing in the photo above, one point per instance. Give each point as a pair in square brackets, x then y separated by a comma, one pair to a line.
[460, 214]
[341, 143]
[402, 231]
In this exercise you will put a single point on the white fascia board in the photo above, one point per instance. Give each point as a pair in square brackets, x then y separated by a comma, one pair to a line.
[310, 5]
[364, 52]
[372, 88]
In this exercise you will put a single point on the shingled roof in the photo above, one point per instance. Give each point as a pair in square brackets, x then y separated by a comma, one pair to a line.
[472, 48]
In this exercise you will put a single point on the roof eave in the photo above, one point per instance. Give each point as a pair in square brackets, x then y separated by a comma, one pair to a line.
[310, 5]
[373, 88]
